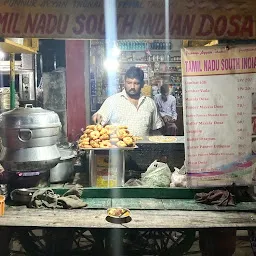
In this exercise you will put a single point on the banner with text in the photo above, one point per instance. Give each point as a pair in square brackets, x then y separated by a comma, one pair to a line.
[219, 88]
[136, 19]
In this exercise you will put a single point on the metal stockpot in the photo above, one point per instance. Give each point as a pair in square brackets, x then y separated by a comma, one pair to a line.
[29, 127]
[29, 137]
[65, 168]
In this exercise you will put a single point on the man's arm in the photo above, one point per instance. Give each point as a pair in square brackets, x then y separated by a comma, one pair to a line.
[162, 114]
[173, 109]
[103, 115]
[157, 122]
[155, 132]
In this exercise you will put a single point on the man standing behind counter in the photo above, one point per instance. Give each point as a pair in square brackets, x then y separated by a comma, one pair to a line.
[130, 108]
[166, 105]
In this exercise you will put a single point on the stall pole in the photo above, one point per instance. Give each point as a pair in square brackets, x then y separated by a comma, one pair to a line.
[12, 80]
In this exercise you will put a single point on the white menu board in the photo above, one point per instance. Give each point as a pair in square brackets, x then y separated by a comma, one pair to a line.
[219, 97]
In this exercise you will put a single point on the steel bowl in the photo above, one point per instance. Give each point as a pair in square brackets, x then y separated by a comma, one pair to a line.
[118, 215]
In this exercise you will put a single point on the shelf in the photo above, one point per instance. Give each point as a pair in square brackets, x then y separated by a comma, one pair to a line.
[8, 46]
[151, 50]
[121, 73]
[149, 61]
[161, 50]
[168, 73]
[166, 61]
[133, 50]
[139, 62]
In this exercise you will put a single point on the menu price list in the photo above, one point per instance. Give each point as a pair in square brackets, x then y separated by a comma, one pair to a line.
[218, 114]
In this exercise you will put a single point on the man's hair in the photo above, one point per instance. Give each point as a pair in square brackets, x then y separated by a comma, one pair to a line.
[137, 73]
[164, 89]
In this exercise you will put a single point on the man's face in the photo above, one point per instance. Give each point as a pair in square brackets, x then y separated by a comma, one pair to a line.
[164, 95]
[132, 87]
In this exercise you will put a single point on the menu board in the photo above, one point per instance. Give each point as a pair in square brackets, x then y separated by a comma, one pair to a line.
[219, 88]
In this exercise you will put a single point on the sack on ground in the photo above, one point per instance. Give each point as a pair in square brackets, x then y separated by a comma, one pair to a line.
[179, 177]
[158, 174]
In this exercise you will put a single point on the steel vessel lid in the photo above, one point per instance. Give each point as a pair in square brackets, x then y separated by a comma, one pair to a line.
[29, 117]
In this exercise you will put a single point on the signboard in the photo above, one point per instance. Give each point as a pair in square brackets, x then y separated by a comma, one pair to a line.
[136, 19]
[219, 85]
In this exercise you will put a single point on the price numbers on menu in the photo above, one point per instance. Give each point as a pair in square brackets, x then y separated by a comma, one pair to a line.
[244, 88]
[241, 105]
[241, 130]
[240, 113]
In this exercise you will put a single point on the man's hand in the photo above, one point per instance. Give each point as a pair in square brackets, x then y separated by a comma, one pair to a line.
[97, 118]
[168, 119]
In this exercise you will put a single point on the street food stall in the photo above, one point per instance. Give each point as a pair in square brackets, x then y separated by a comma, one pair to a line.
[146, 219]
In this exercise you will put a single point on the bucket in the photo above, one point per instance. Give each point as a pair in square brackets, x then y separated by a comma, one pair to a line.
[217, 242]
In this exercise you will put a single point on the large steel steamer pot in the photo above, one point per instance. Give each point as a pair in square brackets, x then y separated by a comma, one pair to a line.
[29, 136]
[63, 171]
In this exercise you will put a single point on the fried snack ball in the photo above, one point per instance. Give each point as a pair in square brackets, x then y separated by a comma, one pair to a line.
[88, 131]
[83, 144]
[86, 139]
[121, 133]
[94, 144]
[90, 127]
[121, 144]
[104, 131]
[105, 144]
[110, 127]
[128, 141]
[104, 137]
[98, 127]
[94, 135]
[83, 136]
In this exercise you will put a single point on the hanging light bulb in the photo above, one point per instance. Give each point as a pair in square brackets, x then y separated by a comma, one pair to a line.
[115, 51]
[111, 64]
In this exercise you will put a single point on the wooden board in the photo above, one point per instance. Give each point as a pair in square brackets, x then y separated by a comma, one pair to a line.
[141, 219]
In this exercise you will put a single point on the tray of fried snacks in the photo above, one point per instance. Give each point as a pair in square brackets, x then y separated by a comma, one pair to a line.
[98, 137]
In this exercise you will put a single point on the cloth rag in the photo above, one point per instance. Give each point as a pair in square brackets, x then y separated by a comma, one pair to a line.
[46, 198]
[216, 197]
